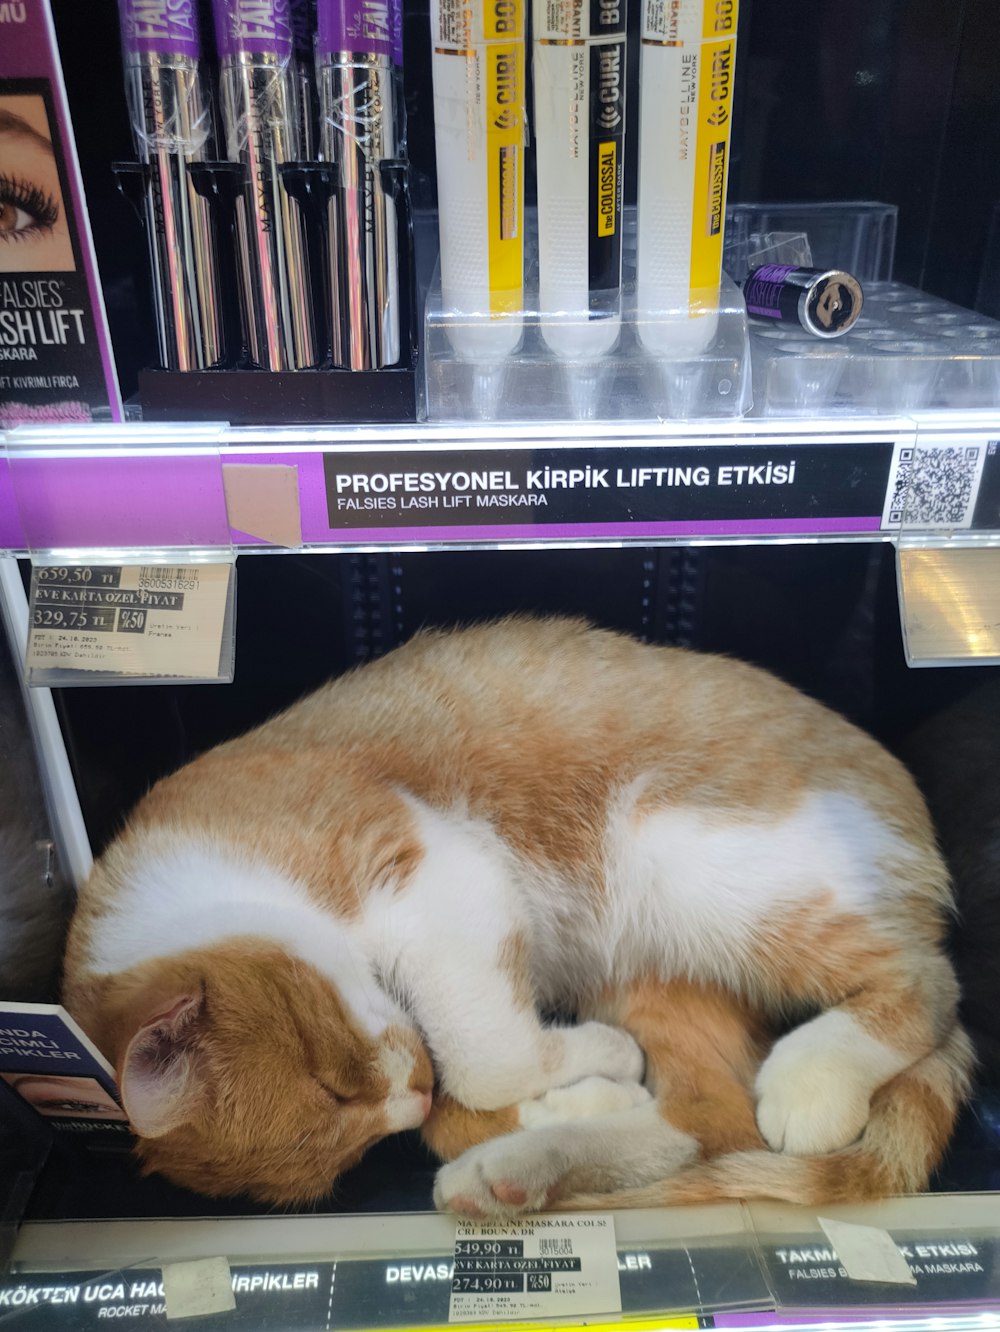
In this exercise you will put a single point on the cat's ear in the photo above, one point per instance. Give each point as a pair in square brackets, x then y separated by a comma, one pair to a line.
[159, 1079]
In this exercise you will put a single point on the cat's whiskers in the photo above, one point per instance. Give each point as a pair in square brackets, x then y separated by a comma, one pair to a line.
[293, 1148]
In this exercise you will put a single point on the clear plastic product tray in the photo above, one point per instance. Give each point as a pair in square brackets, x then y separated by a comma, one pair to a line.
[908, 351]
[704, 373]
[858, 236]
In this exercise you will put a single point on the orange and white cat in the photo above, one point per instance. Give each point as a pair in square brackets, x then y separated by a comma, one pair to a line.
[303, 935]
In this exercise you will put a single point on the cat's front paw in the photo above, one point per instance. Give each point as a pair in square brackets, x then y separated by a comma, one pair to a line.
[809, 1104]
[588, 1099]
[597, 1050]
[503, 1177]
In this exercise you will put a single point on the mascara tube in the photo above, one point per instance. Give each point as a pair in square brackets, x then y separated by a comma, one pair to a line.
[687, 64]
[171, 124]
[478, 69]
[355, 44]
[259, 103]
[579, 78]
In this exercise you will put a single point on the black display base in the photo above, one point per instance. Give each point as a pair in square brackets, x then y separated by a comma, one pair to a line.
[282, 397]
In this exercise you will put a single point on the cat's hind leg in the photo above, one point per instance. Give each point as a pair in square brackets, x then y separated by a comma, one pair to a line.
[452, 1128]
[530, 1170]
[886, 1007]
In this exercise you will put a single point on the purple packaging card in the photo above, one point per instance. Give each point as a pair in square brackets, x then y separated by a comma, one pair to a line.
[160, 27]
[253, 27]
[361, 27]
[55, 353]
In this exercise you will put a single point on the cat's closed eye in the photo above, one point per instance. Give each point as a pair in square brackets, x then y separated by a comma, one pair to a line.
[338, 1097]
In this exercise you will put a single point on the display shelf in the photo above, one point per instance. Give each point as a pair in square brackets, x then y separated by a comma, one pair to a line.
[755, 1265]
[144, 488]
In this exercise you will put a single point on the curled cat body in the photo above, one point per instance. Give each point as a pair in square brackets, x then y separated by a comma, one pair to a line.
[348, 922]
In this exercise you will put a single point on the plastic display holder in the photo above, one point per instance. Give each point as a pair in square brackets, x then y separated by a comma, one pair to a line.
[679, 363]
[908, 352]
[132, 561]
[857, 236]
[243, 394]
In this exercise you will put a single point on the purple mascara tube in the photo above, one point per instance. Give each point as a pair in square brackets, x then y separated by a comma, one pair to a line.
[262, 120]
[357, 45]
[172, 127]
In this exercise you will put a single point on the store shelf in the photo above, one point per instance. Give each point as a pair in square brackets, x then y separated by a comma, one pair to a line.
[146, 488]
[758, 1265]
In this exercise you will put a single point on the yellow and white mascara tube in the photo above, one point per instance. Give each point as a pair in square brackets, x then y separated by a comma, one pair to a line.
[478, 70]
[579, 93]
[687, 64]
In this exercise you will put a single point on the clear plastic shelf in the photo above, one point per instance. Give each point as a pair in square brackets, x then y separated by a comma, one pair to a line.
[908, 352]
[856, 236]
[679, 362]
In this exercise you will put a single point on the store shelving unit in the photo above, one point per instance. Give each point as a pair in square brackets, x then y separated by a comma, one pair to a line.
[925, 484]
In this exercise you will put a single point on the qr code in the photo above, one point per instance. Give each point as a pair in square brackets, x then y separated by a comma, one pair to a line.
[934, 487]
[555, 1248]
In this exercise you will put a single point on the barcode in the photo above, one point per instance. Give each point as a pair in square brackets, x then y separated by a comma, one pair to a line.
[165, 573]
[554, 1248]
[935, 487]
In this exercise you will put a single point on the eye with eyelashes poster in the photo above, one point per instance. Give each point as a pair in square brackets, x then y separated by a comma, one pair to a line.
[55, 355]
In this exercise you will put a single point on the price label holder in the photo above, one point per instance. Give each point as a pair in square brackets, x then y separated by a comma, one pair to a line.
[949, 601]
[132, 560]
[147, 623]
[539, 1267]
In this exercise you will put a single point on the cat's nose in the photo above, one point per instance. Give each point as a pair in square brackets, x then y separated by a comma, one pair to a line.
[425, 1103]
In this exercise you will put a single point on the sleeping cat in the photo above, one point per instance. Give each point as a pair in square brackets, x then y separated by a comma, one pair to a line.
[308, 931]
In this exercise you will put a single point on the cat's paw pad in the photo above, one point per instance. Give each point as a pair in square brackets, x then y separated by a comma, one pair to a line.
[810, 1106]
[583, 1100]
[506, 1176]
[610, 1053]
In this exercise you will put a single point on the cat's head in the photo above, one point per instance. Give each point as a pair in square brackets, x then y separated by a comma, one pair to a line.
[245, 1071]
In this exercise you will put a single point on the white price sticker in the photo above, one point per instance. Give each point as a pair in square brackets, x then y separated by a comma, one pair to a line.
[540, 1267]
[130, 620]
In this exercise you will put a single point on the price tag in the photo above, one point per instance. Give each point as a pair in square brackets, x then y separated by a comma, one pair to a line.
[143, 621]
[868, 1253]
[193, 1289]
[542, 1267]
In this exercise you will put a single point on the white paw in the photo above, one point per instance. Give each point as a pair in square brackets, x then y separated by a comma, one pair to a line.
[610, 1053]
[583, 1100]
[504, 1177]
[809, 1103]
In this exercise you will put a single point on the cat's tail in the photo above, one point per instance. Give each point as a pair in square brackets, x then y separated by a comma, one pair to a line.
[910, 1123]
